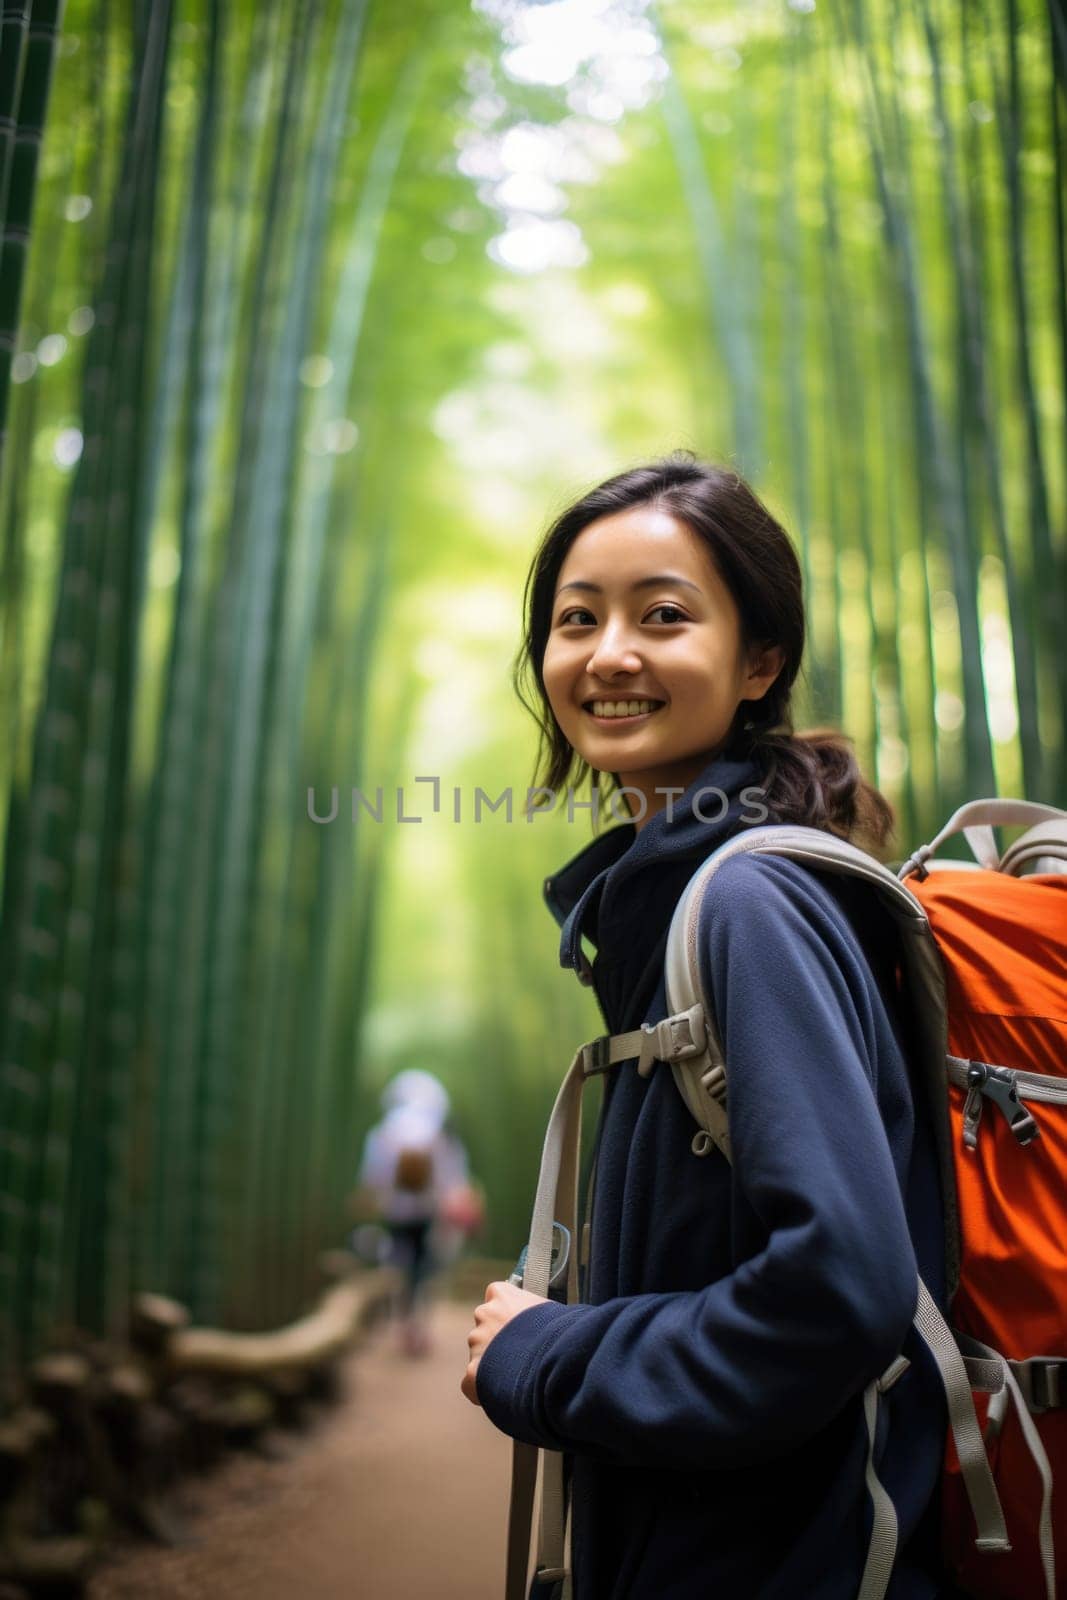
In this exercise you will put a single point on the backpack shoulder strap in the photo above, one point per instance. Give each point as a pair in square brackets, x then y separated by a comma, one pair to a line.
[1044, 846]
[976, 821]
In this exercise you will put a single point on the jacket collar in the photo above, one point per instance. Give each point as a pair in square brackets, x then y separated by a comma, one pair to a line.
[576, 892]
[573, 893]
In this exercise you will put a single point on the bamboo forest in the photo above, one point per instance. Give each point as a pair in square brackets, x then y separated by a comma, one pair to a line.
[313, 314]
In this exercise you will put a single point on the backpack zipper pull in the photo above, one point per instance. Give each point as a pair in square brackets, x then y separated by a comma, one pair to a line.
[1000, 1085]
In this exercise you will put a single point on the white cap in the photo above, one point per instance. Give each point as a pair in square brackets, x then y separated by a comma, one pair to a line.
[420, 1093]
[409, 1128]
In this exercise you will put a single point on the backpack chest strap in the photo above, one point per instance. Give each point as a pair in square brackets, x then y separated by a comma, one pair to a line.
[673, 1039]
[687, 1043]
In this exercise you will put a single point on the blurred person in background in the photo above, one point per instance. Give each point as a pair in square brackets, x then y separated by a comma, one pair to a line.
[414, 1181]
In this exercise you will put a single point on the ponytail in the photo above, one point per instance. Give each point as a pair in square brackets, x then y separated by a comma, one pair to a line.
[812, 778]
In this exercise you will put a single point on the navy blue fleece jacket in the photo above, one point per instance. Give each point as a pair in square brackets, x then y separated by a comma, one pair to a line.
[708, 1389]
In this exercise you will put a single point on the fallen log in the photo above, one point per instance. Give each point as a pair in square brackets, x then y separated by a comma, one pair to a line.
[309, 1343]
[154, 1320]
[48, 1566]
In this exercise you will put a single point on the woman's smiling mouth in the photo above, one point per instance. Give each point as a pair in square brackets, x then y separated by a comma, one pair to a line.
[625, 711]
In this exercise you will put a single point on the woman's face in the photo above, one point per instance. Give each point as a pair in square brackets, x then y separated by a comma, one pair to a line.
[644, 666]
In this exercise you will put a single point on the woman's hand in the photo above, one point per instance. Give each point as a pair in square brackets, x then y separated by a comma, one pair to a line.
[502, 1302]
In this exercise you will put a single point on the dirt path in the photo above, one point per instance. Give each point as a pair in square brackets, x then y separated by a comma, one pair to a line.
[399, 1494]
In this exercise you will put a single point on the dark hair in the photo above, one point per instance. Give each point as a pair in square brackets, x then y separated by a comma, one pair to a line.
[809, 777]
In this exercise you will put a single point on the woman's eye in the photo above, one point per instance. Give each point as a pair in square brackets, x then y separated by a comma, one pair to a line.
[580, 616]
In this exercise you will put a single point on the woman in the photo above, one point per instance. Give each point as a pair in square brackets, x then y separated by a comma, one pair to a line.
[707, 1390]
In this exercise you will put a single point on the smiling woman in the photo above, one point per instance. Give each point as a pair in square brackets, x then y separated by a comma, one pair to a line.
[726, 1317]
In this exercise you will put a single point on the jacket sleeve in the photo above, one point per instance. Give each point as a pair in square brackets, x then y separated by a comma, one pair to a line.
[754, 1364]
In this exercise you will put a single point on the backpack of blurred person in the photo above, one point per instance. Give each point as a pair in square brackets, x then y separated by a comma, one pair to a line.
[413, 1172]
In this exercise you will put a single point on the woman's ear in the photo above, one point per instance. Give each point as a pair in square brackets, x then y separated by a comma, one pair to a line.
[765, 662]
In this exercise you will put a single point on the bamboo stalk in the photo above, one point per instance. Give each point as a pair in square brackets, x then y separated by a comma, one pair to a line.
[95, 1033]
[730, 333]
[1057, 16]
[847, 479]
[191, 336]
[14, 25]
[1046, 607]
[978, 443]
[794, 330]
[20, 162]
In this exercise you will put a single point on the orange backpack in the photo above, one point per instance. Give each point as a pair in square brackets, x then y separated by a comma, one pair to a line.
[1003, 944]
[983, 970]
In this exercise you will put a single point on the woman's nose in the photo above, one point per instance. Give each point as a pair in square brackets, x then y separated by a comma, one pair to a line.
[614, 652]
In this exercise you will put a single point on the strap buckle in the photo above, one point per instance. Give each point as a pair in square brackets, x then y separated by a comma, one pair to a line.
[558, 1262]
[916, 863]
[999, 1084]
[674, 1038]
[1043, 1382]
[597, 1054]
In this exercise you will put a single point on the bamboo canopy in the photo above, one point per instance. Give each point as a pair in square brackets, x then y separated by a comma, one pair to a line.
[310, 314]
